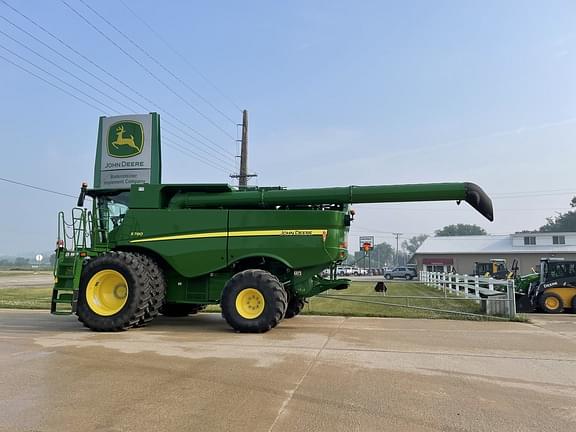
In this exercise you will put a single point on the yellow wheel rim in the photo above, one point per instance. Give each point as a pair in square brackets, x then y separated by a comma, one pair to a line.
[250, 303]
[107, 292]
[552, 303]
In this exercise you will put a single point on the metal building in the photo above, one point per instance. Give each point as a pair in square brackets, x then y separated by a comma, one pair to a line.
[460, 253]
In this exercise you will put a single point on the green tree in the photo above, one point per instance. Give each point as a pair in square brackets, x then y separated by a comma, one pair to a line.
[460, 230]
[562, 221]
[413, 243]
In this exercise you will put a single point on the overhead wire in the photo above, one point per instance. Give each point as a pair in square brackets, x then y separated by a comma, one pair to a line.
[36, 187]
[146, 69]
[181, 56]
[158, 63]
[209, 142]
[63, 69]
[229, 164]
[49, 83]
[208, 162]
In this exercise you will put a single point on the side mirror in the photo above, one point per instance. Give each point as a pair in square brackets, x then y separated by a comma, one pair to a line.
[82, 195]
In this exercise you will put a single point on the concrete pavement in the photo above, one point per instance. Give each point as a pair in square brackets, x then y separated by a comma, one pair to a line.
[310, 373]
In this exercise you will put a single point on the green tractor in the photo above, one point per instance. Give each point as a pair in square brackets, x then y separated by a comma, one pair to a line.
[175, 248]
[552, 290]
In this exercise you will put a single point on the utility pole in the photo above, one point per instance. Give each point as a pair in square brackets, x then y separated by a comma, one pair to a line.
[243, 175]
[397, 235]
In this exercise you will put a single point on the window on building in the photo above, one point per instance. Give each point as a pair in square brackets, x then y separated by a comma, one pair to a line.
[558, 240]
[530, 240]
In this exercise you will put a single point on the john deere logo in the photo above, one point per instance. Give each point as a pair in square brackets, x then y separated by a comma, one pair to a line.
[125, 139]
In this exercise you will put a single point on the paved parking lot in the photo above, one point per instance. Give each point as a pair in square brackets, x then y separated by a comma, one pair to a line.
[309, 374]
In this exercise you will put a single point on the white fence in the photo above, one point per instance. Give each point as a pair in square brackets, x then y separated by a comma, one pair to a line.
[498, 296]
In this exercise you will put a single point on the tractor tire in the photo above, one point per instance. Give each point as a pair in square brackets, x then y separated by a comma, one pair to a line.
[253, 301]
[551, 303]
[295, 306]
[574, 304]
[158, 292]
[178, 310]
[388, 276]
[115, 290]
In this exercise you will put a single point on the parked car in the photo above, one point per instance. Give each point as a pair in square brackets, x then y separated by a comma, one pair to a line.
[400, 272]
[351, 271]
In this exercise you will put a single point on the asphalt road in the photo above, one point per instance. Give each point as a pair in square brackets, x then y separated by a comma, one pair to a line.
[308, 374]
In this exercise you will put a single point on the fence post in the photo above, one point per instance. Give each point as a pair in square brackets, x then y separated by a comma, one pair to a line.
[491, 284]
[456, 282]
[510, 289]
[450, 281]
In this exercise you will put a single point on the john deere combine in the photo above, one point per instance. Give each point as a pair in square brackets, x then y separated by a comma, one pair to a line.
[174, 248]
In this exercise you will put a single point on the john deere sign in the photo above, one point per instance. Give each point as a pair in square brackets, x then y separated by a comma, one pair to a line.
[128, 151]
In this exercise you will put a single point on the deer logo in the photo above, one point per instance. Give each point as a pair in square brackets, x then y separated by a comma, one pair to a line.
[120, 140]
[125, 139]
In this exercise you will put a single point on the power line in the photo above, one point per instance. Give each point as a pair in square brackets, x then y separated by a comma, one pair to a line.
[56, 78]
[86, 102]
[63, 69]
[189, 152]
[36, 187]
[180, 55]
[165, 112]
[49, 83]
[161, 65]
[224, 162]
[146, 69]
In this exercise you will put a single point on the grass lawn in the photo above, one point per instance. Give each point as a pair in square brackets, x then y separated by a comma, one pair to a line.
[348, 302]
[39, 298]
[25, 298]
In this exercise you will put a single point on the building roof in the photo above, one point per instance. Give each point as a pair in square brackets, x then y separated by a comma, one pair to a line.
[492, 244]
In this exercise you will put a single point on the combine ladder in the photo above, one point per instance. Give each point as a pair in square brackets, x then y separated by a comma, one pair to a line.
[70, 255]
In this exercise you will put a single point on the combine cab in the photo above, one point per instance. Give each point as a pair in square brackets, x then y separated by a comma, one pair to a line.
[173, 249]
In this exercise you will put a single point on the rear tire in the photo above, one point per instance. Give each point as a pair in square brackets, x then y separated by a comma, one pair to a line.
[115, 290]
[551, 303]
[295, 306]
[388, 276]
[253, 301]
[158, 292]
[574, 304]
[408, 277]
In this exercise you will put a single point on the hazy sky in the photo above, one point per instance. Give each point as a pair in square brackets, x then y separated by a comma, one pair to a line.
[339, 93]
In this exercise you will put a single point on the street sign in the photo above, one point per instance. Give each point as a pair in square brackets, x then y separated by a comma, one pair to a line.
[39, 258]
[366, 243]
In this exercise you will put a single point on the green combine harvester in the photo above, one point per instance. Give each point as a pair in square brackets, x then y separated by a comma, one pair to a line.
[175, 248]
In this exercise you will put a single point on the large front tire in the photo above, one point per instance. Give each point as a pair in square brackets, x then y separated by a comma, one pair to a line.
[115, 291]
[253, 301]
